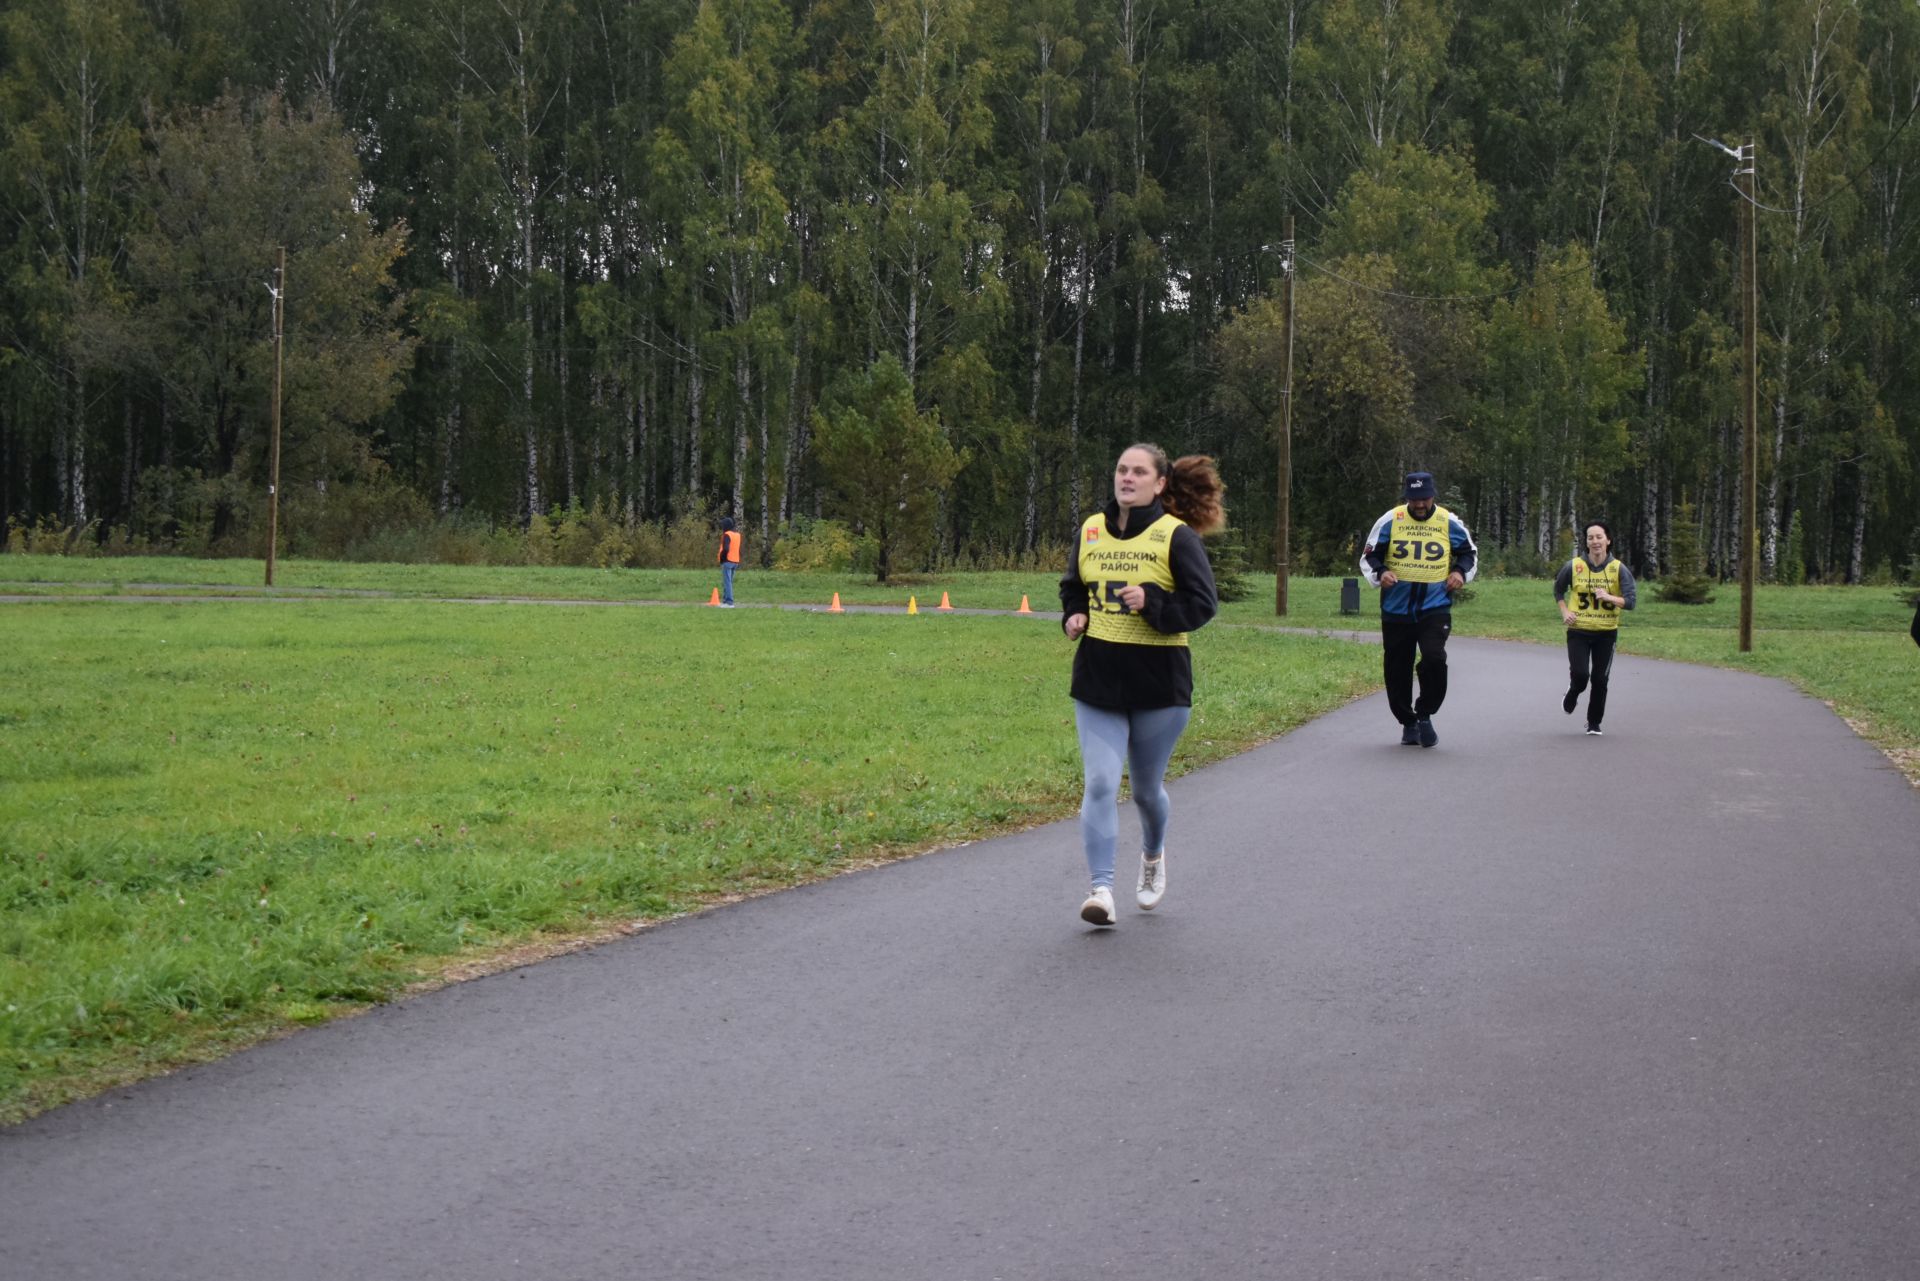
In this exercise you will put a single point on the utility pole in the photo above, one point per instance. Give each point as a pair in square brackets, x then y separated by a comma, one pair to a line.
[1282, 533]
[273, 466]
[1743, 167]
[1750, 449]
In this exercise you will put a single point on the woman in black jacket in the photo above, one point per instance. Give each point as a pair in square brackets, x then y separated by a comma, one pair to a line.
[1140, 581]
[1590, 591]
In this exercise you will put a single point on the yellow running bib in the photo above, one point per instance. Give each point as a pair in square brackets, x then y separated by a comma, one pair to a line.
[1419, 551]
[1108, 564]
[1590, 613]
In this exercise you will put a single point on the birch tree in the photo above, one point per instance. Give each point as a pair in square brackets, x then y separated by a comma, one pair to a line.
[70, 90]
[227, 187]
[727, 75]
[1811, 120]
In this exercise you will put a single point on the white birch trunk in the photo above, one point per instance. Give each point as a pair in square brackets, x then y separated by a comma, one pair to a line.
[1543, 530]
[1650, 504]
[636, 416]
[1856, 559]
[742, 413]
[1079, 362]
[566, 417]
[529, 436]
[645, 402]
[1522, 510]
[74, 474]
[695, 389]
[790, 473]
[766, 482]
[1770, 526]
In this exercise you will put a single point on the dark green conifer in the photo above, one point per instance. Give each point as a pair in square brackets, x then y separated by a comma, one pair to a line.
[1228, 552]
[1686, 582]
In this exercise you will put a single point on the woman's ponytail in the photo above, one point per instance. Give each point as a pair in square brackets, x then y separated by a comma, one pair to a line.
[1193, 493]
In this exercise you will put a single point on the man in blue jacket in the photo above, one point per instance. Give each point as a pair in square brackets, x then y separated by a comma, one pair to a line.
[1418, 555]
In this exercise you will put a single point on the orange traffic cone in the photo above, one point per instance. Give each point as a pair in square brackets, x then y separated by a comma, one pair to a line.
[716, 597]
[943, 602]
[835, 607]
[912, 606]
[1023, 607]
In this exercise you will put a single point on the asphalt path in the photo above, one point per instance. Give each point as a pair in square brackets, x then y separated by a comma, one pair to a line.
[1528, 1004]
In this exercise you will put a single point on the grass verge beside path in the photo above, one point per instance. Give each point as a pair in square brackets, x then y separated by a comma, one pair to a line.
[222, 820]
[64, 575]
[1844, 645]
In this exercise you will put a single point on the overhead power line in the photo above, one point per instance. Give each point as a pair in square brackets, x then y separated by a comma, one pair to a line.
[1867, 168]
[1852, 179]
[1757, 205]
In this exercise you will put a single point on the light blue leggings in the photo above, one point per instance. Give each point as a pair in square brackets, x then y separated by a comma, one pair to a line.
[1143, 741]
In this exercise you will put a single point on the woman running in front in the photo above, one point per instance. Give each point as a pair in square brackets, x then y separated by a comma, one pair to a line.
[1140, 583]
[1591, 590]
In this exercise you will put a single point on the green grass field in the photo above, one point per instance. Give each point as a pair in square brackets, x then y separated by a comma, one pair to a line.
[43, 575]
[218, 819]
[222, 819]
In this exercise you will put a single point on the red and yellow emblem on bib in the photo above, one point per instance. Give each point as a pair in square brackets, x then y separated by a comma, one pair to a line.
[1093, 535]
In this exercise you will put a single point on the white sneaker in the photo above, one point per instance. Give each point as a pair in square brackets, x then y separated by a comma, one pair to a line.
[1098, 909]
[1153, 882]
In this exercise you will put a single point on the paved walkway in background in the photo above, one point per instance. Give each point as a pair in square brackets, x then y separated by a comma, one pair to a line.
[185, 593]
[1526, 1005]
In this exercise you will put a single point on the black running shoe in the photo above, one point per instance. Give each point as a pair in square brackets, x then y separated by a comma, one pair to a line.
[1424, 727]
[1409, 736]
[1594, 730]
[1571, 701]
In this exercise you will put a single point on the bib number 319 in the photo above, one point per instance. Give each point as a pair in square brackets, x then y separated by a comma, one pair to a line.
[1418, 550]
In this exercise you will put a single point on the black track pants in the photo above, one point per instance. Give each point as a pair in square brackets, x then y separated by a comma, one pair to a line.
[1400, 638]
[1590, 657]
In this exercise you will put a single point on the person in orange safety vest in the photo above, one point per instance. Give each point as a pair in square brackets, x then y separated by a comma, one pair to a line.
[729, 560]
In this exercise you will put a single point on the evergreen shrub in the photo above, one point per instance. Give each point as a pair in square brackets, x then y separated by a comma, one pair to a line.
[1686, 582]
[1228, 552]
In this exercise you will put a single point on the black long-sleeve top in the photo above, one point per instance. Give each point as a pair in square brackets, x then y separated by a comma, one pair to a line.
[1125, 677]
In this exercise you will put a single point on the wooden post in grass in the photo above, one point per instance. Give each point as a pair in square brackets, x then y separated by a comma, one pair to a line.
[1750, 466]
[1282, 532]
[273, 454]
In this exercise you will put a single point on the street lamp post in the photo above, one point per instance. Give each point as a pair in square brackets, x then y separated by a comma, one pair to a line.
[1283, 524]
[1743, 158]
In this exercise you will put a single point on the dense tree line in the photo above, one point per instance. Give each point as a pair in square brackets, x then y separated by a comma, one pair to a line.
[925, 265]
